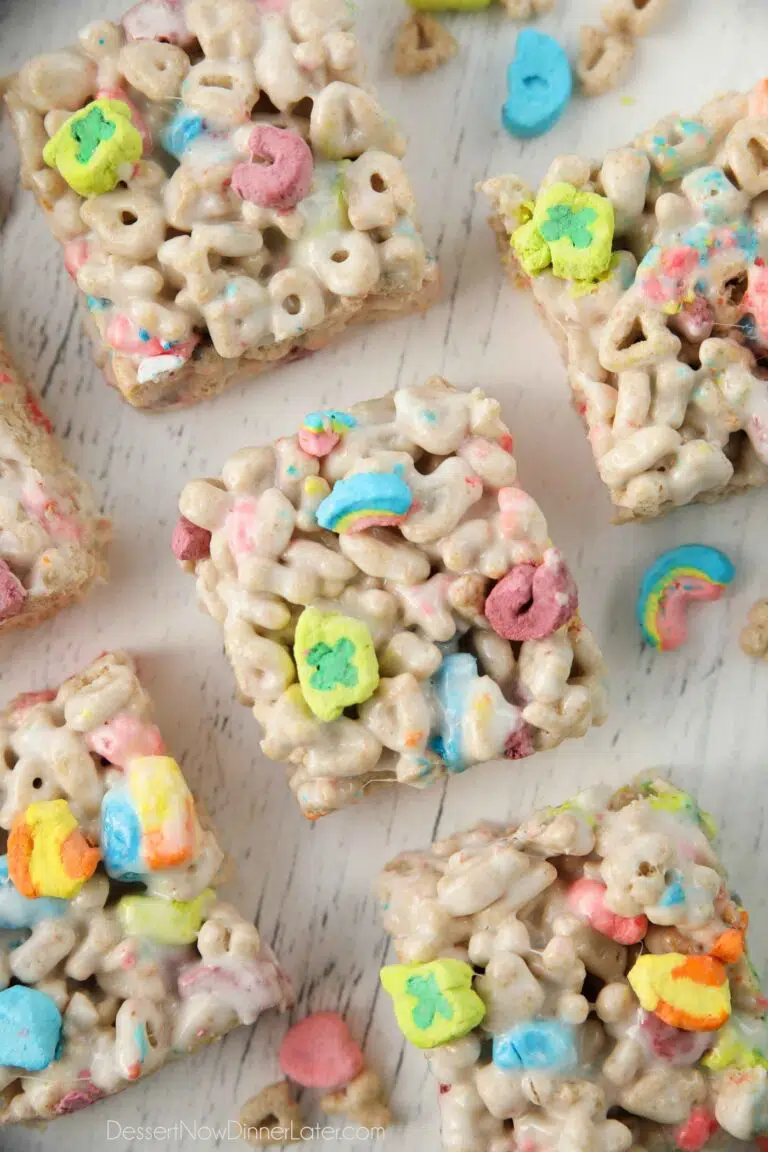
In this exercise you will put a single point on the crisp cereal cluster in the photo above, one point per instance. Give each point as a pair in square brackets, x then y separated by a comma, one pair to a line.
[580, 982]
[52, 539]
[116, 954]
[666, 347]
[224, 187]
[387, 560]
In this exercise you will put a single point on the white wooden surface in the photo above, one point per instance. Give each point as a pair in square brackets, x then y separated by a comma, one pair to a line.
[702, 710]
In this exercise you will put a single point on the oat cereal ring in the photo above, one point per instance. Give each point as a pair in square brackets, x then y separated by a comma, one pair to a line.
[604, 59]
[345, 262]
[221, 91]
[156, 70]
[636, 17]
[377, 191]
[128, 223]
[272, 1116]
[298, 302]
[346, 121]
[223, 33]
[57, 80]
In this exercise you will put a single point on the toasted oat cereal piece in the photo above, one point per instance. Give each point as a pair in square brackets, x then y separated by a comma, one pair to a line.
[754, 635]
[52, 540]
[617, 1007]
[665, 328]
[222, 184]
[121, 953]
[271, 1117]
[604, 59]
[422, 45]
[392, 605]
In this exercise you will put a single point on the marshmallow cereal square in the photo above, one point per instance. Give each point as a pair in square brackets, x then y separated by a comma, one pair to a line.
[649, 269]
[227, 191]
[392, 605]
[581, 980]
[116, 952]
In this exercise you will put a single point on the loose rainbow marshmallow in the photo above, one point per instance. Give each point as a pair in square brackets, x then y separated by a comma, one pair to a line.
[148, 819]
[690, 572]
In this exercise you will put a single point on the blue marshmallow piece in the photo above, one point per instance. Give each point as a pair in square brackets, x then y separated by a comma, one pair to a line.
[17, 911]
[539, 83]
[121, 837]
[30, 1028]
[544, 1045]
[452, 683]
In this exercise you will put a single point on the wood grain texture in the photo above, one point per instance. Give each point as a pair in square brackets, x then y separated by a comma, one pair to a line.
[702, 710]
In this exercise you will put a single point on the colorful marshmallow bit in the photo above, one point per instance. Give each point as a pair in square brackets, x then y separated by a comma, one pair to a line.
[673, 1046]
[48, 855]
[742, 1043]
[471, 707]
[125, 737]
[541, 1045]
[148, 820]
[665, 797]
[533, 600]
[688, 992]
[322, 431]
[692, 572]
[366, 500]
[164, 921]
[434, 1002]
[539, 84]
[319, 1052]
[570, 229]
[17, 911]
[587, 899]
[12, 592]
[92, 147]
[30, 1028]
[181, 132]
[336, 662]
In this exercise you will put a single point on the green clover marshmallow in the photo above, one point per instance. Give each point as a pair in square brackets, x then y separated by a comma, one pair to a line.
[434, 1002]
[336, 662]
[570, 229]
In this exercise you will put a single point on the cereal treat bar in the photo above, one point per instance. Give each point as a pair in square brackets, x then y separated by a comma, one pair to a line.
[116, 953]
[650, 271]
[52, 540]
[392, 605]
[580, 983]
[227, 192]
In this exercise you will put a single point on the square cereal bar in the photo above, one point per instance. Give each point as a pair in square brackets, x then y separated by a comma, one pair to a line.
[580, 982]
[650, 271]
[228, 193]
[392, 605]
[52, 540]
[116, 953]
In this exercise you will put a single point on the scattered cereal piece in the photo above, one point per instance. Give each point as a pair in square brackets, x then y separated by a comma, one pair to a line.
[92, 147]
[434, 1002]
[30, 1028]
[279, 174]
[754, 635]
[422, 45]
[525, 9]
[336, 662]
[319, 1052]
[272, 1116]
[48, 855]
[570, 229]
[190, 541]
[539, 84]
[634, 17]
[533, 600]
[687, 992]
[691, 572]
[604, 59]
[362, 1100]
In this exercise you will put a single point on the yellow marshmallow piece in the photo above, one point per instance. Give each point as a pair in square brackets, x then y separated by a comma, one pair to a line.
[92, 146]
[434, 1002]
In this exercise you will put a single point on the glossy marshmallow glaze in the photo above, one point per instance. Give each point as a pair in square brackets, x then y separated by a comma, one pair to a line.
[667, 352]
[451, 691]
[222, 250]
[134, 988]
[552, 916]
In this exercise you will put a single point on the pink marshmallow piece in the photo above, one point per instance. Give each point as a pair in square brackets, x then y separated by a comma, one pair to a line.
[587, 899]
[158, 20]
[532, 601]
[125, 737]
[12, 593]
[319, 1052]
[76, 253]
[317, 443]
[697, 1130]
[285, 175]
[519, 744]
[190, 541]
[672, 1046]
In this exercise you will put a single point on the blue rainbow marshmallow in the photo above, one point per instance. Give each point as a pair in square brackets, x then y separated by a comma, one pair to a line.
[30, 1028]
[365, 500]
[17, 911]
[542, 1045]
[539, 82]
[689, 573]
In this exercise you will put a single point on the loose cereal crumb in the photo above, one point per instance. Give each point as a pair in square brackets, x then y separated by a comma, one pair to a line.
[422, 45]
[754, 635]
[272, 1116]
